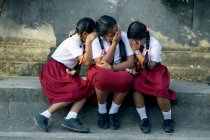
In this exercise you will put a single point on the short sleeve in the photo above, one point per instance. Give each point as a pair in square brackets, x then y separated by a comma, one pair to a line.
[74, 47]
[96, 49]
[127, 44]
[155, 52]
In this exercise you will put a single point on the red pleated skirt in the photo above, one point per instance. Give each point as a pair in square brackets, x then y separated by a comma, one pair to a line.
[58, 86]
[105, 80]
[155, 82]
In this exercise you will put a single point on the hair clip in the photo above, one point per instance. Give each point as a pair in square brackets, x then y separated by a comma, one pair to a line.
[103, 53]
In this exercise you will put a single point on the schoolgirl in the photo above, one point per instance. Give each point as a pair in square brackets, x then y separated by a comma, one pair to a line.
[112, 54]
[152, 78]
[61, 81]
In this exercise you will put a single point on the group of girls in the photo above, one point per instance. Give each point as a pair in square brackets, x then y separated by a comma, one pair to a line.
[119, 63]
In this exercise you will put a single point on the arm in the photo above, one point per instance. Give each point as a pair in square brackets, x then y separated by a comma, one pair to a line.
[140, 56]
[129, 63]
[109, 56]
[86, 57]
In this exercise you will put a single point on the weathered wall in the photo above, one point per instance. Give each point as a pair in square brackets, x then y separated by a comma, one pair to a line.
[30, 30]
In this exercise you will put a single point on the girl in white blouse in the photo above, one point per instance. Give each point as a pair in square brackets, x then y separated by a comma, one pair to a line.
[60, 79]
[112, 54]
[151, 77]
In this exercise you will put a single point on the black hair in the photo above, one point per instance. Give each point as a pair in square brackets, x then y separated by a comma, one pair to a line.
[138, 30]
[105, 23]
[84, 25]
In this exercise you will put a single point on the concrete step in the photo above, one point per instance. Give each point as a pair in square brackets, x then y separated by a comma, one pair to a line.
[128, 132]
[22, 98]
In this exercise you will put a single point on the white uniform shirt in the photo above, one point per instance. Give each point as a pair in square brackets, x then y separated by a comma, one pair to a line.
[154, 50]
[68, 50]
[97, 50]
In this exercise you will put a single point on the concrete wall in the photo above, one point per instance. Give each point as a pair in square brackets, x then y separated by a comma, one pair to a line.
[30, 30]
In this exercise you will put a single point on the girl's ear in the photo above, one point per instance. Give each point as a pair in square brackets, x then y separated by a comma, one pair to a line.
[84, 35]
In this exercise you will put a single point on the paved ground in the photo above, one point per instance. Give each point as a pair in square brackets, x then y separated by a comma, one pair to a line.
[21, 98]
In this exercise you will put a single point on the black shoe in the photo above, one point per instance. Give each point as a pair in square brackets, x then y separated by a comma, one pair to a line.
[168, 125]
[74, 125]
[103, 121]
[114, 121]
[145, 126]
[41, 122]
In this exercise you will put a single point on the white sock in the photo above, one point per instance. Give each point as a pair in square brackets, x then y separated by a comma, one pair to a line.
[167, 115]
[102, 108]
[142, 112]
[46, 113]
[71, 115]
[114, 108]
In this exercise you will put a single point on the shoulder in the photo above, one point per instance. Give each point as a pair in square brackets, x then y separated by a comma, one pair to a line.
[154, 42]
[71, 41]
[74, 40]
[123, 34]
[95, 41]
[124, 37]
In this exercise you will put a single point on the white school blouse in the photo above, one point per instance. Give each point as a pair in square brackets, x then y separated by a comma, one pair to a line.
[68, 50]
[154, 50]
[97, 50]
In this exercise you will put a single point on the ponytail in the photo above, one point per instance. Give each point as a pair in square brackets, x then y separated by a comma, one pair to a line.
[146, 58]
[101, 43]
[123, 53]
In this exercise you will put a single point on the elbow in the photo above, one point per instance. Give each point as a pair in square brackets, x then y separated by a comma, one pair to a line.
[131, 65]
[87, 63]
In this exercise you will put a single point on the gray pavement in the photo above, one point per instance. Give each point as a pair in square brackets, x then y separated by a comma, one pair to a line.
[21, 98]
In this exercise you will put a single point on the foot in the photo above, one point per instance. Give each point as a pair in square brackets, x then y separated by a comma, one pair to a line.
[41, 122]
[74, 125]
[114, 121]
[145, 126]
[103, 121]
[168, 126]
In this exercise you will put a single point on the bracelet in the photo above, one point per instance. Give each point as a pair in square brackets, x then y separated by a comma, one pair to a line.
[136, 52]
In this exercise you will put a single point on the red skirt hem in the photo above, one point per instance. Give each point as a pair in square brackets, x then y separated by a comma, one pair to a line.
[58, 86]
[154, 83]
[105, 80]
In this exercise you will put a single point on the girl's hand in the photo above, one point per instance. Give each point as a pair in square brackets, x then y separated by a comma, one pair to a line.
[105, 65]
[132, 71]
[71, 72]
[117, 37]
[135, 45]
[91, 37]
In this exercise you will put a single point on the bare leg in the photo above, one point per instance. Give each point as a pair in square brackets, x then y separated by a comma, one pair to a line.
[119, 97]
[57, 106]
[101, 96]
[164, 104]
[77, 106]
[138, 99]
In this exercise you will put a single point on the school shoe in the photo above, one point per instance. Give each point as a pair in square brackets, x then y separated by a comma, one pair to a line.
[145, 126]
[74, 125]
[114, 121]
[168, 125]
[103, 121]
[41, 122]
